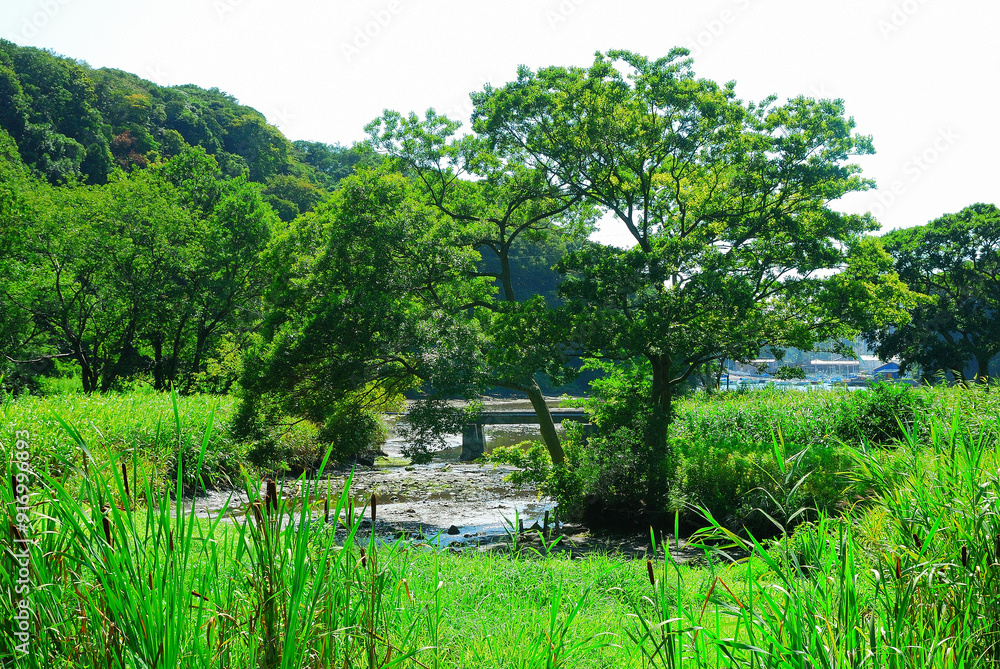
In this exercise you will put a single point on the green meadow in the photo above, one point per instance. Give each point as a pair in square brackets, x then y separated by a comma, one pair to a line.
[892, 560]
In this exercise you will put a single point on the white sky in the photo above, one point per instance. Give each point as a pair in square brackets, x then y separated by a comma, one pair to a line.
[919, 75]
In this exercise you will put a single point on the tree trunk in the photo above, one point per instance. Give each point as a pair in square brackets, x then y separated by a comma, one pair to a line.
[545, 423]
[661, 401]
[505, 279]
[158, 363]
[983, 362]
[88, 375]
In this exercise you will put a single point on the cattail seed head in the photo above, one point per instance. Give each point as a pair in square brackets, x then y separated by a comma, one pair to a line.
[917, 541]
[899, 569]
[965, 556]
[257, 515]
[106, 521]
[125, 481]
[374, 507]
[271, 500]
[650, 573]
[364, 558]
[170, 541]
[406, 586]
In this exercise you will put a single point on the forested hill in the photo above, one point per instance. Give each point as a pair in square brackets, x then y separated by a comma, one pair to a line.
[73, 123]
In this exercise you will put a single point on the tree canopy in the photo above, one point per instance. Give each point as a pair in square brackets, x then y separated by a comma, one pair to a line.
[728, 203]
[362, 307]
[143, 274]
[74, 123]
[955, 259]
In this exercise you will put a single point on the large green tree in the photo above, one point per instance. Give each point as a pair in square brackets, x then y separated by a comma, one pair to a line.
[362, 307]
[728, 204]
[956, 260]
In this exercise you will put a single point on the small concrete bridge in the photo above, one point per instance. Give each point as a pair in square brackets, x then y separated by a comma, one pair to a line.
[474, 438]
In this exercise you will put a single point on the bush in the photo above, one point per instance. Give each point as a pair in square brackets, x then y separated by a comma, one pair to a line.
[876, 413]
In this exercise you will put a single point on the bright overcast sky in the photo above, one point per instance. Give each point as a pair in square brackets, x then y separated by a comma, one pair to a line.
[920, 76]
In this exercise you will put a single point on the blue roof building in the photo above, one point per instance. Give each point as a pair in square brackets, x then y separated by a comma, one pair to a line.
[889, 370]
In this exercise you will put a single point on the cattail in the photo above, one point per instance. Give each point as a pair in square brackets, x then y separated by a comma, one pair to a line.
[170, 541]
[326, 510]
[107, 527]
[208, 632]
[545, 523]
[125, 481]
[271, 500]
[406, 586]
[996, 548]
[965, 556]
[899, 569]
[258, 516]
[649, 572]
[13, 488]
[374, 507]
[918, 542]
[364, 558]
[150, 580]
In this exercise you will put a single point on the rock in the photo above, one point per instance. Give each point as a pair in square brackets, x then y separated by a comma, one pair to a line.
[454, 530]
[409, 468]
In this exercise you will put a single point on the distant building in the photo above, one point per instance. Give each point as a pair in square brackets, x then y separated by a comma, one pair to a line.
[769, 365]
[869, 363]
[889, 370]
[827, 367]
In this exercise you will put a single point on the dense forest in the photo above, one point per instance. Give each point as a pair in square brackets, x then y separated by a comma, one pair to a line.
[104, 174]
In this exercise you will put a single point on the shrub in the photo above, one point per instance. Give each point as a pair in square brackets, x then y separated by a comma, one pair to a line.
[876, 413]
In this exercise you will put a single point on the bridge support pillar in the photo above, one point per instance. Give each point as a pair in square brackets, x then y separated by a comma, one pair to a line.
[473, 442]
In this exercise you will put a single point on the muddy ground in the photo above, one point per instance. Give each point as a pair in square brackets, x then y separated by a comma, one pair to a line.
[461, 506]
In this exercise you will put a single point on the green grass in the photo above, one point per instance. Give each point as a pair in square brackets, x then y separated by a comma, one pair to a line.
[907, 575]
[159, 429]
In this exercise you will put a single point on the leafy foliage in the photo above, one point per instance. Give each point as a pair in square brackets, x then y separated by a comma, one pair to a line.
[728, 203]
[73, 123]
[956, 260]
[361, 309]
[142, 275]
